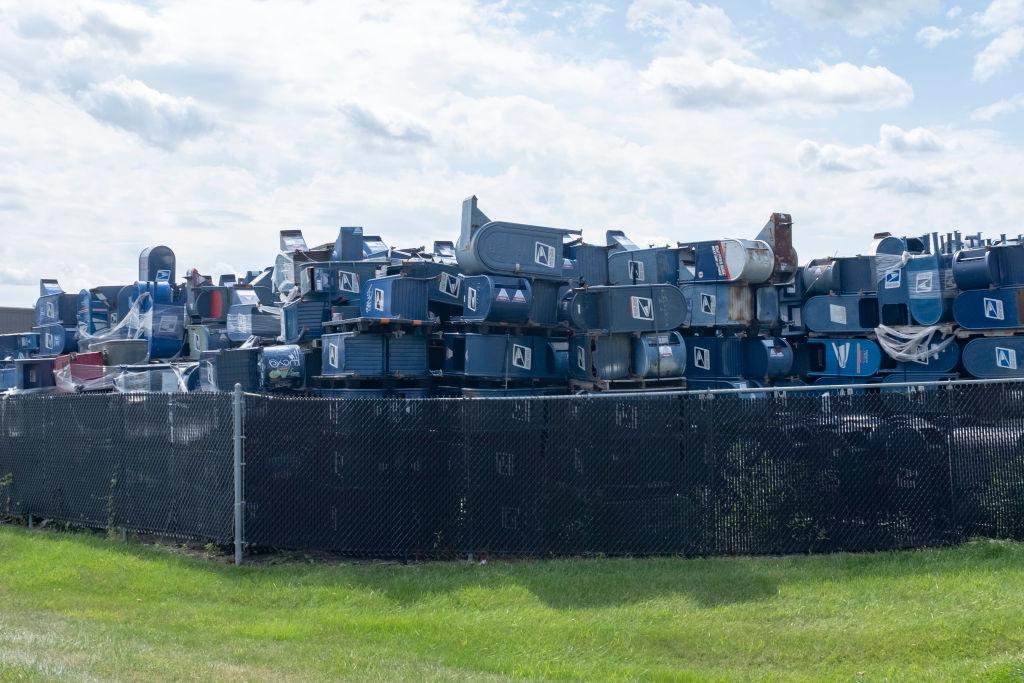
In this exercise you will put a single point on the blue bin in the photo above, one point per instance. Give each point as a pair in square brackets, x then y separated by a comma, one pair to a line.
[658, 265]
[395, 297]
[766, 358]
[724, 305]
[55, 339]
[600, 357]
[222, 370]
[490, 298]
[841, 314]
[303, 320]
[34, 373]
[591, 264]
[157, 264]
[54, 306]
[282, 367]
[18, 345]
[498, 356]
[994, 357]
[246, 320]
[838, 357]
[990, 309]
[336, 280]
[407, 355]
[355, 353]
[203, 338]
[625, 308]
[515, 249]
[1001, 265]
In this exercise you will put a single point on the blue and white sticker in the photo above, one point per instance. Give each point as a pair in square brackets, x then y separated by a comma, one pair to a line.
[636, 270]
[450, 284]
[702, 358]
[522, 356]
[842, 354]
[893, 279]
[925, 283]
[378, 299]
[641, 307]
[348, 281]
[1006, 358]
[471, 298]
[581, 358]
[332, 354]
[707, 304]
[993, 309]
[544, 254]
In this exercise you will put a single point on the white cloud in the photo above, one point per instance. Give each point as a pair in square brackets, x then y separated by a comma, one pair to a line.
[156, 117]
[932, 36]
[861, 18]
[1001, 108]
[1005, 20]
[999, 53]
[723, 83]
[319, 114]
[893, 142]
[954, 12]
[895, 139]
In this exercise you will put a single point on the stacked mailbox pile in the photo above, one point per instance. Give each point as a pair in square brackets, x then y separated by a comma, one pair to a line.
[514, 309]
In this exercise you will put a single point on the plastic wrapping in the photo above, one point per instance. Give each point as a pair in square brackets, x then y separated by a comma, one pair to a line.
[169, 378]
[912, 344]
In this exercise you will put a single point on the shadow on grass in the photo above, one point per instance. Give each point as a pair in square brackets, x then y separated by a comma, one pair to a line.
[569, 584]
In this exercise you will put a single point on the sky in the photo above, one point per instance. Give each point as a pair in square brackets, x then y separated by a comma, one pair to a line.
[210, 126]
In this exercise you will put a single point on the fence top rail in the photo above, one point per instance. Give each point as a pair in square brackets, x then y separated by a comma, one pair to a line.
[771, 391]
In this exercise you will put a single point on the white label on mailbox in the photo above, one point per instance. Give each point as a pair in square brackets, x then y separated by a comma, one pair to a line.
[642, 308]
[702, 358]
[544, 255]
[1006, 358]
[522, 356]
[348, 282]
[837, 314]
[994, 309]
[471, 298]
[707, 304]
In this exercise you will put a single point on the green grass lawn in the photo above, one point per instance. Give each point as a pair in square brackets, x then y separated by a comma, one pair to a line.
[80, 606]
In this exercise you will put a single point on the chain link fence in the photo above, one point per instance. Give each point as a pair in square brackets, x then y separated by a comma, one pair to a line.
[689, 474]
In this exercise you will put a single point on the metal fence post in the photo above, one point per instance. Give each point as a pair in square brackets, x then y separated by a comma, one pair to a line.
[239, 503]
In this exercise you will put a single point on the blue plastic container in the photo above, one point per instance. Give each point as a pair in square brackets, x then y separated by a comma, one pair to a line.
[18, 345]
[336, 280]
[54, 306]
[55, 339]
[766, 358]
[625, 308]
[395, 297]
[246, 320]
[990, 309]
[994, 357]
[839, 357]
[499, 248]
[600, 356]
[355, 353]
[203, 338]
[724, 305]
[491, 298]
[930, 289]
[714, 358]
[157, 264]
[498, 356]
[34, 373]
[222, 370]
[657, 265]
[846, 275]
[1001, 265]
[841, 314]
[282, 367]
[408, 355]
[303, 320]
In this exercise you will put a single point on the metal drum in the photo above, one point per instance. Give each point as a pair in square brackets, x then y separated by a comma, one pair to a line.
[490, 298]
[659, 356]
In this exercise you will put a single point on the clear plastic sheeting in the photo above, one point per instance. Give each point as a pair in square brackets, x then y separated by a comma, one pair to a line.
[77, 377]
[886, 263]
[137, 323]
[912, 344]
[155, 379]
